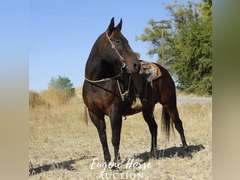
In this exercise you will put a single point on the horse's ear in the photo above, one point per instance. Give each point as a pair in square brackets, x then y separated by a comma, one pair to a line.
[119, 26]
[111, 26]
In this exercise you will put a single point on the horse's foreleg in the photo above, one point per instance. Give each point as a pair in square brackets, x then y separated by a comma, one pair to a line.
[177, 122]
[99, 122]
[116, 124]
[152, 125]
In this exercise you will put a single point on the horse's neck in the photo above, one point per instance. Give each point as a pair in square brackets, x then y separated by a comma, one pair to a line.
[99, 69]
[91, 69]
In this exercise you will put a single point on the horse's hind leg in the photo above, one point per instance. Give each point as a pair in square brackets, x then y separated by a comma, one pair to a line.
[99, 122]
[173, 112]
[152, 125]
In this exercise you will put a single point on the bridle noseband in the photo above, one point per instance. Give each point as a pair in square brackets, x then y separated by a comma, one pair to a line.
[123, 94]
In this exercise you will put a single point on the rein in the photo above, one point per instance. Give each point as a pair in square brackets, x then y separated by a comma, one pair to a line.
[102, 80]
[123, 94]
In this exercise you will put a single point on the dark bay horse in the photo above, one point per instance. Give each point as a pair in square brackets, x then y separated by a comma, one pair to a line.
[106, 84]
[105, 75]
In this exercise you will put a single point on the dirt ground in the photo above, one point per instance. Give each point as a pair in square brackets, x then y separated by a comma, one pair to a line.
[63, 146]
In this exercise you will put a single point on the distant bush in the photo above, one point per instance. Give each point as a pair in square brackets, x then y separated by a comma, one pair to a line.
[60, 83]
[36, 100]
[61, 87]
[60, 91]
[56, 97]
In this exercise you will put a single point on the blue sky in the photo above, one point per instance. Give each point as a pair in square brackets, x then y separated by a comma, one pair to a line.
[62, 33]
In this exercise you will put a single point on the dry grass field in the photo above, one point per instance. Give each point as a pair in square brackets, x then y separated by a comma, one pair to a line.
[63, 146]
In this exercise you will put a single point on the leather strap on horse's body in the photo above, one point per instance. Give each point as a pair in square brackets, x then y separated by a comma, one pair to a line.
[102, 80]
[123, 93]
[101, 87]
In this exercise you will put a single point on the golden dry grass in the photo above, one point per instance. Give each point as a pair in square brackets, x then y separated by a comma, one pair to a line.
[48, 98]
[59, 134]
[35, 100]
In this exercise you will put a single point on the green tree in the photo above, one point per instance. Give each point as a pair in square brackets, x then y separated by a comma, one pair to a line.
[184, 44]
[63, 84]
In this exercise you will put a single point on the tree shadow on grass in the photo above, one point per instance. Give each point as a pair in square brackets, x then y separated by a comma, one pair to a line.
[169, 153]
[68, 165]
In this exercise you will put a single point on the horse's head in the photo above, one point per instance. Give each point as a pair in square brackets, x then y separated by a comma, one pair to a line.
[117, 46]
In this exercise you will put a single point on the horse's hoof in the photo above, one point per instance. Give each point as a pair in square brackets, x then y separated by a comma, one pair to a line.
[153, 154]
[186, 148]
[107, 159]
[117, 160]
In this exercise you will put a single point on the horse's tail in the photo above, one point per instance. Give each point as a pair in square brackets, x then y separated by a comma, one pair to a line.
[85, 116]
[167, 123]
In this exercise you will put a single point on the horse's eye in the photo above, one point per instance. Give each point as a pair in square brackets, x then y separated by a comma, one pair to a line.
[117, 41]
